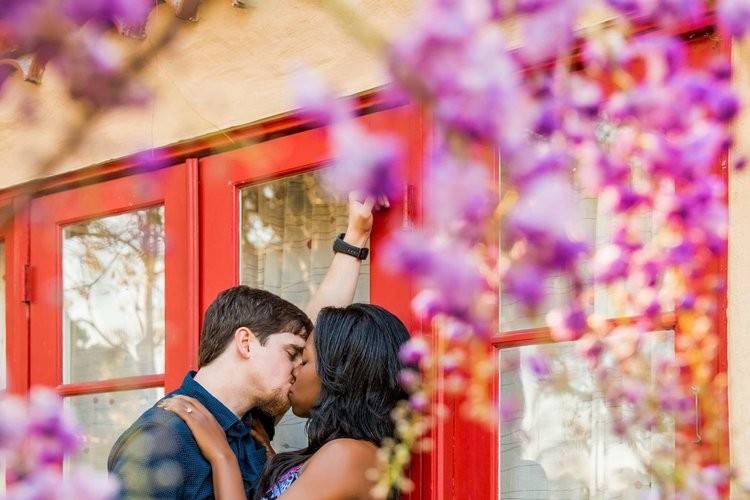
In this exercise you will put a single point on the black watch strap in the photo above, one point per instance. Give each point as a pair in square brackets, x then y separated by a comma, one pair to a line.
[340, 246]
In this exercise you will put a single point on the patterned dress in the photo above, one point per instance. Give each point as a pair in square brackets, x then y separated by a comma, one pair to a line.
[283, 484]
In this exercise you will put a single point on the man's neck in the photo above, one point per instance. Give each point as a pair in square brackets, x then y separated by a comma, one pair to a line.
[225, 389]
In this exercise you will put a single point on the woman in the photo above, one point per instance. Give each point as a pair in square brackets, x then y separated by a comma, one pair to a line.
[347, 385]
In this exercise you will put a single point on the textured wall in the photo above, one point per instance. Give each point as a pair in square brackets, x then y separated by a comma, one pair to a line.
[739, 280]
[227, 69]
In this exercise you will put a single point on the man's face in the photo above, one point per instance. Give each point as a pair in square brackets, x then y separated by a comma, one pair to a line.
[271, 367]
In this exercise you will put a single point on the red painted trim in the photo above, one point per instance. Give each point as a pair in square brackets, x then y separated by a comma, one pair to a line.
[542, 335]
[116, 385]
[17, 311]
[179, 280]
[193, 260]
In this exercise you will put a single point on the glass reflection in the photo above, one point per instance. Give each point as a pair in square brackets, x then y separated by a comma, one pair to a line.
[103, 417]
[113, 291]
[560, 445]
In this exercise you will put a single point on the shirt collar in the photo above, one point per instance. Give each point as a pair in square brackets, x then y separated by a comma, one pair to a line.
[226, 417]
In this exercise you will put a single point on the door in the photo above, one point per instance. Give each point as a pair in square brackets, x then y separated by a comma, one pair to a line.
[108, 299]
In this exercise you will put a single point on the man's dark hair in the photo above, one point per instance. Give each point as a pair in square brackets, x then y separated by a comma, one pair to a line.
[262, 312]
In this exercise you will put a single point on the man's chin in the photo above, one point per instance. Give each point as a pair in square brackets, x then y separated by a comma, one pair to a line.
[276, 408]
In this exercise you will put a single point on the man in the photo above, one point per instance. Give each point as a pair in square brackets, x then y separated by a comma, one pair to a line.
[250, 343]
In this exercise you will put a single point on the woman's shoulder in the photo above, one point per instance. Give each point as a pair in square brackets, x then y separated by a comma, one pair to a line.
[345, 454]
[343, 464]
[348, 447]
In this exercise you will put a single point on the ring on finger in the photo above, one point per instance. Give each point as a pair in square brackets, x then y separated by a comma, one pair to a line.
[188, 409]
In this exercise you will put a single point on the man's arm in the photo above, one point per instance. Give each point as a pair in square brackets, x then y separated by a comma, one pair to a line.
[340, 282]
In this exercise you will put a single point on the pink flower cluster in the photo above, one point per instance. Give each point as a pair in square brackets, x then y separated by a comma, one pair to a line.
[364, 161]
[35, 437]
[71, 35]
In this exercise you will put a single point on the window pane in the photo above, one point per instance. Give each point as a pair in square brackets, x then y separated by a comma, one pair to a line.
[113, 282]
[287, 231]
[288, 228]
[103, 417]
[560, 445]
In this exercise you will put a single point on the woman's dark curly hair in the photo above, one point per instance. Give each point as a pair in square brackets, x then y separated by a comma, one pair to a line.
[358, 366]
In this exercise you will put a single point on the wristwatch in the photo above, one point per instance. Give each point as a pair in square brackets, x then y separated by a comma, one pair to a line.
[340, 246]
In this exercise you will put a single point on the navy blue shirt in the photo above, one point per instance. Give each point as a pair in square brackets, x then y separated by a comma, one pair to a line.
[157, 457]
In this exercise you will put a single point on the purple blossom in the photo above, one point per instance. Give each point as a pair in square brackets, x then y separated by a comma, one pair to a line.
[53, 435]
[365, 162]
[547, 28]
[315, 100]
[689, 156]
[419, 402]
[93, 67]
[734, 16]
[540, 366]
[546, 218]
[466, 69]
[525, 283]
[415, 351]
[567, 324]
[409, 379]
[663, 12]
[127, 12]
[13, 424]
[634, 391]
[510, 408]
[611, 263]
[447, 270]
[459, 196]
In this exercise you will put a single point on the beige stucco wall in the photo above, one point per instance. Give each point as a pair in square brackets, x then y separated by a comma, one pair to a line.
[739, 280]
[229, 68]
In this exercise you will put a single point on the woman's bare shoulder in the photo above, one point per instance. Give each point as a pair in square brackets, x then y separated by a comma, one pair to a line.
[350, 448]
[341, 468]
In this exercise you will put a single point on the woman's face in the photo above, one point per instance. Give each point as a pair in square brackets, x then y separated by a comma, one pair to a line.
[305, 390]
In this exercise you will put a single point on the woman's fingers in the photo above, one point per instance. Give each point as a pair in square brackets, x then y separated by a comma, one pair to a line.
[192, 402]
[185, 406]
[258, 436]
[175, 406]
[368, 204]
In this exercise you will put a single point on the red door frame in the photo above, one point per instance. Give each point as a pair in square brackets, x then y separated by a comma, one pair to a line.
[168, 186]
[14, 233]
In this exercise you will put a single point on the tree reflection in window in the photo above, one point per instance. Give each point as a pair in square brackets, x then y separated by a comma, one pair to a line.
[113, 290]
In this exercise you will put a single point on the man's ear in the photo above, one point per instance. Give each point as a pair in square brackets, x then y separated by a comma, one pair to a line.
[243, 339]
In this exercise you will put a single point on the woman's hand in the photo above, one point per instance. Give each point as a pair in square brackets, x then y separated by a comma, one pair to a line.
[212, 441]
[261, 436]
[360, 218]
[211, 438]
